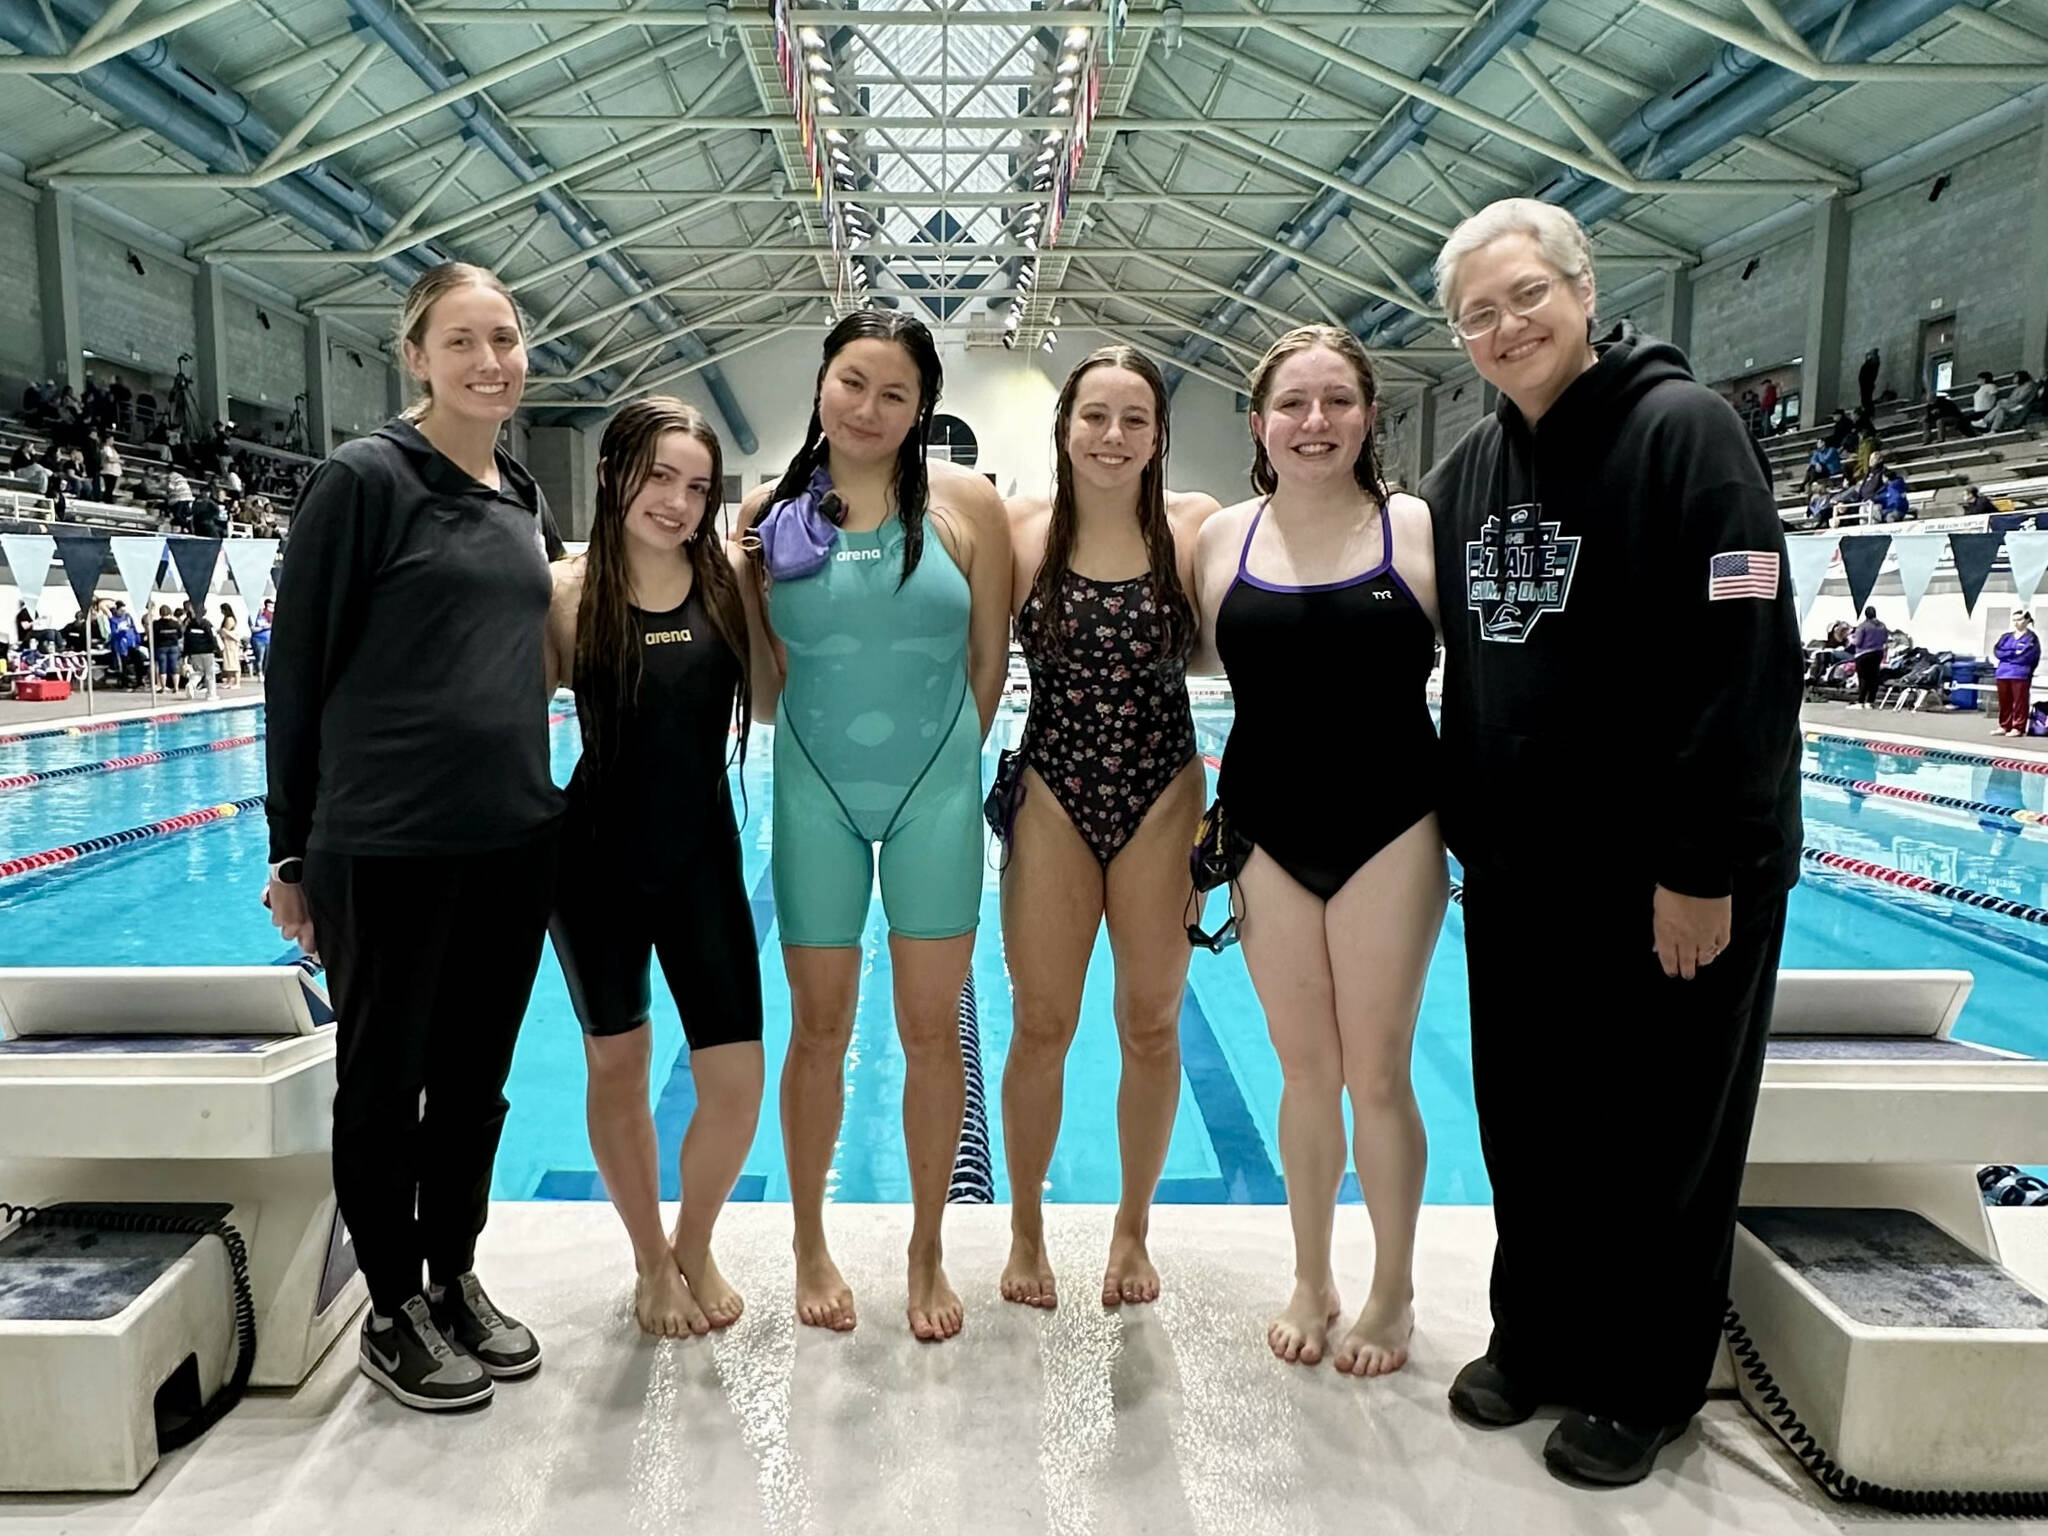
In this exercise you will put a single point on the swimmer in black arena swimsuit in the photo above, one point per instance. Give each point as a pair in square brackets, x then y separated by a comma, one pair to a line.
[1319, 601]
[1100, 797]
[651, 628]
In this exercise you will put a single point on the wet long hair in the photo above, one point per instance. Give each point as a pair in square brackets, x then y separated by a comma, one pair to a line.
[608, 643]
[913, 477]
[1176, 613]
[1305, 338]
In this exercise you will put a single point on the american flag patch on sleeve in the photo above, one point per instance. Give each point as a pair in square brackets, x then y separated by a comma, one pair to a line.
[1743, 573]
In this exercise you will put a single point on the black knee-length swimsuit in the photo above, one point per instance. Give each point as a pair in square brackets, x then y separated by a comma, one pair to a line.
[1331, 753]
[650, 861]
[1110, 725]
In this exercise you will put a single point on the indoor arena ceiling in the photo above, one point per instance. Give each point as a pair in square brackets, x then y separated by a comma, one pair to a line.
[667, 182]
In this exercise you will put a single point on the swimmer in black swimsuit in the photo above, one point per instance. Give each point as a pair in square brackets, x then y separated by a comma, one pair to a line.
[1100, 797]
[1319, 602]
[651, 627]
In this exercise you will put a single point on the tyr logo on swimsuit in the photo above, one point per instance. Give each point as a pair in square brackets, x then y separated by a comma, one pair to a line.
[1517, 570]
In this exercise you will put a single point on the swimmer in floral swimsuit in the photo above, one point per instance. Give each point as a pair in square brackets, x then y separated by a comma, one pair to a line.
[1099, 800]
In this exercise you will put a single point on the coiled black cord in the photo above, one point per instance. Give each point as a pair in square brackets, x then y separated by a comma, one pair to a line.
[99, 1218]
[1842, 1485]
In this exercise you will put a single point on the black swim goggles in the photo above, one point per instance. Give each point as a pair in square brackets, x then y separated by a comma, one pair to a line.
[1225, 935]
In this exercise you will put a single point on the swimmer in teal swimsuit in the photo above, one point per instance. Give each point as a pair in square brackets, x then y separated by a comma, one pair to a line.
[878, 592]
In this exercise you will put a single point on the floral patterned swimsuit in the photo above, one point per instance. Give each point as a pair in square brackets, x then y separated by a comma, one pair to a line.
[1109, 726]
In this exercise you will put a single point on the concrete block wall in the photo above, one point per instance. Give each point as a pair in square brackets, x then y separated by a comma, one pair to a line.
[359, 382]
[1741, 325]
[1966, 255]
[1456, 417]
[143, 320]
[264, 366]
[21, 298]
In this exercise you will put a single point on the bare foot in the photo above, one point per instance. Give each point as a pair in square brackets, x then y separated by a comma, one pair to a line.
[1298, 1334]
[1377, 1344]
[935, 1311]
[662, 1303]
[823, 1298]
[721, 1303]
[1027, 1278]
[1130, 1276]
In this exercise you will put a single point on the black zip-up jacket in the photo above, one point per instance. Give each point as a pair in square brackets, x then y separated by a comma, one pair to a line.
[406, 689]
[1570, 750]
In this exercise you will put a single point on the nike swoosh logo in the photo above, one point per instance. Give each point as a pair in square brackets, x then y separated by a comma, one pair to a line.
[388, 1362]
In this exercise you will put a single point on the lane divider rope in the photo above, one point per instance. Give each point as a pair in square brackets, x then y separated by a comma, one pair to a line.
[71, 853]
[116, 764]
[1936, 754]
[97, 726]
[2004, 906]
[1925, 797]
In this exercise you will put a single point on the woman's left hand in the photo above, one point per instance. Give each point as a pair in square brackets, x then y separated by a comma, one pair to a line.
[1691, 931]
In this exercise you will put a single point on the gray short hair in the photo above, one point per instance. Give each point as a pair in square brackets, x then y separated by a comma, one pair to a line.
[1557, 234]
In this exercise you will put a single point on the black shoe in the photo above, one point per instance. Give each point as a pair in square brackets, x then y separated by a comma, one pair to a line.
[1605, 1452]
[502, 1345]
[408, 1356]
[1484, 1396]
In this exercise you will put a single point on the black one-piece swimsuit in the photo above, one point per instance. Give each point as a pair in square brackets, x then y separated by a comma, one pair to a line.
[1332, 754]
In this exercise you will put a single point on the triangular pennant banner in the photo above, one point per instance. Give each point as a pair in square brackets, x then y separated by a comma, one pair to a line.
[196, 560]
[2029, 551]
[139, 558]
[1862, 555]
[1918, 554]
[28, 558]
[84, 556]
[249, 562]
[1809, 556]
[1975, 554]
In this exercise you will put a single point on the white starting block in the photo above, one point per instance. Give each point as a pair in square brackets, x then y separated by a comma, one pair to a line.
[1877, 1318]
[194, 1091]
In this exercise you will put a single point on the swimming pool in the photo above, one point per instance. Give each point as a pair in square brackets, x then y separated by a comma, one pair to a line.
[193, 898]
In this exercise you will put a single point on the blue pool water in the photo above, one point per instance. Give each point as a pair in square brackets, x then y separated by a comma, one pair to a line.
[192, 898]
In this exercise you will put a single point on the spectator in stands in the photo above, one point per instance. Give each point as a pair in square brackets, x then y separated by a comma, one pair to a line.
[24, 628]
[20, 459]
[1768, 400]
[209, 521]
[2019, 653]
[95, 406]
[202, 654]
[126, 639]
[1868, 443]
[1985, 397]
[110, 470]
[35, 405]
[1866, 380]
[167, 639]
[230, 635]
[259, 637]
[1893, 503]
[1869, 641]
[1977, 504]
[1944, 415]
[124, 406]
[178, 498]
[91, 462]
[37, 473]
[233, 482]
[1820, 506]
[2016, 406]
[1842, 434]
[1823, 465]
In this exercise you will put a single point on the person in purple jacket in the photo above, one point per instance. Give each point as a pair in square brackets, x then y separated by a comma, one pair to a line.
[2019, 653]
[1869, 641]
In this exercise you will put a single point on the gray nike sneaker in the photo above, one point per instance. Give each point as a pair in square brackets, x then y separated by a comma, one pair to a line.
[502, 1345]
[409, 1357]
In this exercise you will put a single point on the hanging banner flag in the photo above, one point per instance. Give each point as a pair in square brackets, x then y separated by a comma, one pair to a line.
[1809, 556]
[139, 558]
[196, 560]
[2029, 551]
[28, 557]
[1862, 556]
[1918, 554]
[1975, 554]
[84, 556]
[250, 562]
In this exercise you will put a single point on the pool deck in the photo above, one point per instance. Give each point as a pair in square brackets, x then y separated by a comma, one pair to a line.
[1959, 732]
[1172, 1418]
[113, 704]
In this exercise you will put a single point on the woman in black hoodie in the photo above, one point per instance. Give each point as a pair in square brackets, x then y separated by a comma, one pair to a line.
[1623, 923]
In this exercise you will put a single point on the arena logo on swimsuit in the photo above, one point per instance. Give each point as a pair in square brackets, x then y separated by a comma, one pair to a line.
[858, 554]
[1517, 570]
[668, 636]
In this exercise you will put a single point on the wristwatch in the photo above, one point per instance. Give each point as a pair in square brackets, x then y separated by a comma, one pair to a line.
[288, 871]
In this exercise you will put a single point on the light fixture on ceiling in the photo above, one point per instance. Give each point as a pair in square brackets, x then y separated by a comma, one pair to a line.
[827, 106]
[1051, 341]
[820, 64]
[811, 38]
[1026, 276]
[1077, 38]
[1009, 341]
[1070, 64]
[1170, 20]
[834, 136]
[715, 14]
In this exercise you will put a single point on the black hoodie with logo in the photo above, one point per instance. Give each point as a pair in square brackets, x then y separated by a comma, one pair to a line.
[406, 685]
[1570, 749]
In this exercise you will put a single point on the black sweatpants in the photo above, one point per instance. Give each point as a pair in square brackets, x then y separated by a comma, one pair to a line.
[1615, 1106]
[1868, 667]
[430, 961]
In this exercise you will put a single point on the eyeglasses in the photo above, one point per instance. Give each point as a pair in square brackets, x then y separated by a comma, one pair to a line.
[1525, 300]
